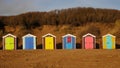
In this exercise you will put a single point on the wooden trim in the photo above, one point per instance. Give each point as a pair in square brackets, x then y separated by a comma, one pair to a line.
[15, 44]
[3, 44]
[54, 43]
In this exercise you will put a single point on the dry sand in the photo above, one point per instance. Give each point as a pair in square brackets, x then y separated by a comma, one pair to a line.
[60, 59]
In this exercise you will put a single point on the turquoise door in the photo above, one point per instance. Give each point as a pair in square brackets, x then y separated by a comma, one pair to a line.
[69, 46]
[109, 42]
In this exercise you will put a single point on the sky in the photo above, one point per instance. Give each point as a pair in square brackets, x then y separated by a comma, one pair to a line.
[15, 7]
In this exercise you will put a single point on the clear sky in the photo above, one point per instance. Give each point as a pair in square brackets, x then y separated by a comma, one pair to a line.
[14, 7]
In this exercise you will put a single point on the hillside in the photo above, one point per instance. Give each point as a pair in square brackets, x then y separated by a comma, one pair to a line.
[77, 21]
[97, 29]
[60, 59]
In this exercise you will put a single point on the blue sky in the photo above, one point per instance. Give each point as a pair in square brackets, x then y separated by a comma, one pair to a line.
[14, 7]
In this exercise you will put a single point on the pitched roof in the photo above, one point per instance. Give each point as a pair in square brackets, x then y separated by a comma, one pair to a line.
[9, 35]
[68, 35]
[89, 34]
[108, 35]
[28, 35]
[49, 34]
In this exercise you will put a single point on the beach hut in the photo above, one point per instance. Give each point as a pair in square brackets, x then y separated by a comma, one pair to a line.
[108, 41]
[29, 42]
[89, 41]
[69, 41]
[9, 42]
[49, 41]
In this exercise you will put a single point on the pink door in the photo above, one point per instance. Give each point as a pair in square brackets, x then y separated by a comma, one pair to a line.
[89, 42]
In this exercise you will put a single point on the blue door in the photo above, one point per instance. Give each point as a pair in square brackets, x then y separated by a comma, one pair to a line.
[68, 43]
[109, 42]
[29, 43]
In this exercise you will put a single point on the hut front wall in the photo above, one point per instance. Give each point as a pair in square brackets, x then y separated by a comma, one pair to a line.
[69, 42]
[89, 42]
[29, 43]
[49, 43]
[108, 42]
[9, 43]
[113, 43]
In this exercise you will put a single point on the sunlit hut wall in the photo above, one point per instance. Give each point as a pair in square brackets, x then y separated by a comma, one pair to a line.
[108, 41]
[69, 41]
[88, 41]
[9, 42]
[49, 41]
[29, 42]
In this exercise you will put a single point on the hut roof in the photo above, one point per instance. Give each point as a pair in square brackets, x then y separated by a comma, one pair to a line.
[49, 34]
[28, 35]
[9, 35]
[89, 34]
[68, 35]
[108, 35]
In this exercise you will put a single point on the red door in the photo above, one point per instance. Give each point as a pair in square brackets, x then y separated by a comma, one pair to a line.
[89, 42]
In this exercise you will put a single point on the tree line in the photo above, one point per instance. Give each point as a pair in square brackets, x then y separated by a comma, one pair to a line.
[71, 16]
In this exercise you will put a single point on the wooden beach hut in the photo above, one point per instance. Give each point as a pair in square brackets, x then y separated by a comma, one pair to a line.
[69, 41]
[29, 42]
[89, 41]
[108, 41]
[9, 42]
[49, 41]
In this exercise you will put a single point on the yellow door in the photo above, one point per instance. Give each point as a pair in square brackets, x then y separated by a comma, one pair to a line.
[49, 43]
[9, 43]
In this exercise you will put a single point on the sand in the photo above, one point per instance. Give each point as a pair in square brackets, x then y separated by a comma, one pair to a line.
[60, 58]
